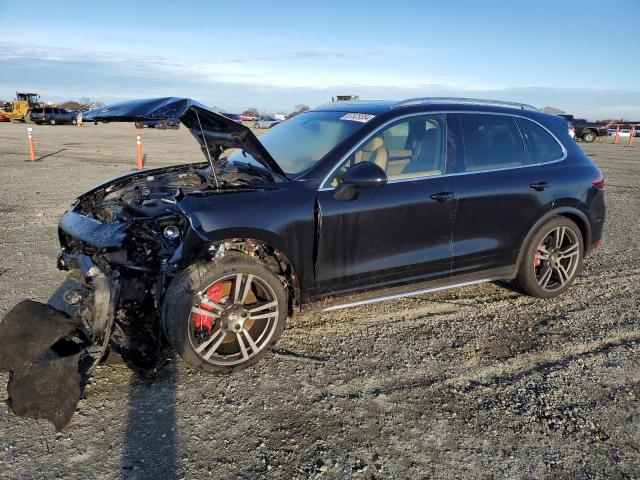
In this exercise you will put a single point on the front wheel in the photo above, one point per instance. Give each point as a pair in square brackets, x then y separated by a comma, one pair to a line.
[552, 259]
[256, 125]
[222, 315]
[52, 121]
[589, 136]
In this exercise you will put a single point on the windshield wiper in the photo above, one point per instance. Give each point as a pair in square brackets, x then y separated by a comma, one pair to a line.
[260, 171]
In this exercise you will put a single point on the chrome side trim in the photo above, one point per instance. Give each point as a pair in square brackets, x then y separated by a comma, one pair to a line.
[414, 179]
[403, 295]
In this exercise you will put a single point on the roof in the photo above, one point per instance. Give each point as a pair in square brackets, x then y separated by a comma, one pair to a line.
[374, 107]
[377, 107]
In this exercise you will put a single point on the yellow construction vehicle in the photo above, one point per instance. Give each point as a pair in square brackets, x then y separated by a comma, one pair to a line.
[18, 110]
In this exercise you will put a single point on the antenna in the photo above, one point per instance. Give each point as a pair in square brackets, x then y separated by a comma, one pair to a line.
[206, 146]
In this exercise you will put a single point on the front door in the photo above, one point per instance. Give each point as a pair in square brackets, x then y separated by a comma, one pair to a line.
[397, 233]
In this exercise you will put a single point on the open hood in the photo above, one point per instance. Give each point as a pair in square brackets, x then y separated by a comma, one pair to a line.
[212, 130]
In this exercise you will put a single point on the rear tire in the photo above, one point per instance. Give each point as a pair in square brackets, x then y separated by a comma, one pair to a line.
[52, 121]
[238, 337]
[588, 136]
[256, 125]
[552, 259]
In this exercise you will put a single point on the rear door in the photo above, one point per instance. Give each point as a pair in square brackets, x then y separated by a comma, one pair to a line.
[397, 233]
[501, 192]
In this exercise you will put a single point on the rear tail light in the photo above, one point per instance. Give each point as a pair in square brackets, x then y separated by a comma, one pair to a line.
[598, 181]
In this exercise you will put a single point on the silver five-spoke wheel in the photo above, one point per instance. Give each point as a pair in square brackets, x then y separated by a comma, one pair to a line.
[223, 315]
[233, 319]
[551, 258]
[557, 258]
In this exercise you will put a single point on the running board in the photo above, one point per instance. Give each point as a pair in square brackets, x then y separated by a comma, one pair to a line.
[386, 298]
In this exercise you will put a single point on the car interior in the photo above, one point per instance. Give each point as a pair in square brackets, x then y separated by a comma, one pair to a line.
[412, 148]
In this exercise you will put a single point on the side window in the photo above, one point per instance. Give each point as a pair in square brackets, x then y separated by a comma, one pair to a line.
[544, 148]
[410, 148]
[48, 110]
[490, 142]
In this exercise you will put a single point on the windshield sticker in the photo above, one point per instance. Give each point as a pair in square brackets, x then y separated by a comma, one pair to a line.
[357, 117]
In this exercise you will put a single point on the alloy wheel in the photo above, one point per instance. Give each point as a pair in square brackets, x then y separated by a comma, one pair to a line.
[233, 319]
[557, 258]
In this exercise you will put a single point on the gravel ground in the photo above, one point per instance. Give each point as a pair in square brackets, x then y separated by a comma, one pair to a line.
[480, 382]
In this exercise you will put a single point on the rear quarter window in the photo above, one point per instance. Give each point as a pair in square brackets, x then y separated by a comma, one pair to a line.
[543, 146]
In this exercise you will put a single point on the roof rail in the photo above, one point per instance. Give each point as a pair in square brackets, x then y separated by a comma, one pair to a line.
[464, 101]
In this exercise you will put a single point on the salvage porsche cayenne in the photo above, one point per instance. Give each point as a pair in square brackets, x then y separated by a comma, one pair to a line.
[340, 206]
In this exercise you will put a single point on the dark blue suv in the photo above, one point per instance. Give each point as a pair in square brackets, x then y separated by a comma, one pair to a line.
[343, 205]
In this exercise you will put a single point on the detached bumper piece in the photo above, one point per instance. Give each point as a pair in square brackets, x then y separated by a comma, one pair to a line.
[42, 348]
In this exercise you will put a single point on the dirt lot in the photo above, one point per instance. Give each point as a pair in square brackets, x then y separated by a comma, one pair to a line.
[473, 383]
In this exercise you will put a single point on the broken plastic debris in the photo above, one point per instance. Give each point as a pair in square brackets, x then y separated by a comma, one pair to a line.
[35, 348]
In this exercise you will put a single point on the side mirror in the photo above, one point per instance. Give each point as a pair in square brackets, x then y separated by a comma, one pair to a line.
[361, 175]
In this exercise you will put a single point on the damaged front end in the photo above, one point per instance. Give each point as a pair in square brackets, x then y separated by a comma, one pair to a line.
[122, 243]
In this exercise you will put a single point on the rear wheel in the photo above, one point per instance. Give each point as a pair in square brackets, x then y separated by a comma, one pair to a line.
[588, 136]
[52, 121]
[222, 316]
[552, 259]
[256, 125]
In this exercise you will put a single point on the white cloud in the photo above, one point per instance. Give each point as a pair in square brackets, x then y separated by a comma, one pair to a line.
[272, 81]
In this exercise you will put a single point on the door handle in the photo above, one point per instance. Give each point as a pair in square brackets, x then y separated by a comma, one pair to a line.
[443, 196]
[539, 186]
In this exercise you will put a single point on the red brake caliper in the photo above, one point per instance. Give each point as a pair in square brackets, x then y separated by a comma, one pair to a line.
[205, 322]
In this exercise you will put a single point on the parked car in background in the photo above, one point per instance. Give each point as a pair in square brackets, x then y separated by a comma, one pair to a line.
[172, 123]
[245, 117]
[233, 116]
[4, 118]
[588, 131]
[52, 116]
[265, 122]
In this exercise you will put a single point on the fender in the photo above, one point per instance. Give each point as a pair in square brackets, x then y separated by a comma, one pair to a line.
[266, 240]
[585, 229]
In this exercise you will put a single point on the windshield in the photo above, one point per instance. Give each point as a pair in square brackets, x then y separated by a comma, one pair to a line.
[302, 141]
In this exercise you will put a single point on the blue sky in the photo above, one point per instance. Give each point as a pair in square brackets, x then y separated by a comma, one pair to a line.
[274, 55]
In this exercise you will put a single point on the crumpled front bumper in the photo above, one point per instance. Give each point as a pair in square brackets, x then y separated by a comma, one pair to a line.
[93, 232]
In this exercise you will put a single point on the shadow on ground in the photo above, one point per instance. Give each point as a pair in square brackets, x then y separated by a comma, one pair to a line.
[149, 446]
[149, 443]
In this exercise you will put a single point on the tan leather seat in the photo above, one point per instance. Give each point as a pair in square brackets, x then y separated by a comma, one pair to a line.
[375, 152]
